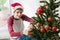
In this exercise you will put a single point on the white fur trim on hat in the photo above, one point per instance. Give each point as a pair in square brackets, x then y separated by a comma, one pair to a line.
[18, 7]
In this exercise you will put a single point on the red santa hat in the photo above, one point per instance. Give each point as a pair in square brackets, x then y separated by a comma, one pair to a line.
[16, 5]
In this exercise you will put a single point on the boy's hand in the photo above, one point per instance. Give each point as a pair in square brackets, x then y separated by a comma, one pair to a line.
[28, 30]
[30, 27]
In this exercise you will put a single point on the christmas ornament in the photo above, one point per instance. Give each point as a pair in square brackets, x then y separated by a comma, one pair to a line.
[49, 19]
[54, 28]
[46, 27]
[39, 10]
[42, 30]
[38, 24]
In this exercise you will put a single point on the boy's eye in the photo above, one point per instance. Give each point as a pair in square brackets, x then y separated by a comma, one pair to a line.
[17, 12]
[20, 12]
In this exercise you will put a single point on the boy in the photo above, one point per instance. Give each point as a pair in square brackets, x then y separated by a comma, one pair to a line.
[15, 22]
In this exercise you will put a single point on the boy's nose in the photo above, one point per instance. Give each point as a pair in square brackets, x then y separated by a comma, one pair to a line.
[19, 14]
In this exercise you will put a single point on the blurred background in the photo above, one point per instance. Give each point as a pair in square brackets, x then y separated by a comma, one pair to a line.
[30, 7]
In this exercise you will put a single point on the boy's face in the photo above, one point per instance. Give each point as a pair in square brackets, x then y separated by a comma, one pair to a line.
[18, 14]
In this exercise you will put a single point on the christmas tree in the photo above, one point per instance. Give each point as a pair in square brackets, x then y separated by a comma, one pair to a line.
[46, 23]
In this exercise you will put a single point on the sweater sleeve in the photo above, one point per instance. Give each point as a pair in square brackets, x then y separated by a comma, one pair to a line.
[10, 28]
[26, 18]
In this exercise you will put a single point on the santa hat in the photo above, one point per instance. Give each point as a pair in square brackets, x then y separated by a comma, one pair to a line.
[16, 5]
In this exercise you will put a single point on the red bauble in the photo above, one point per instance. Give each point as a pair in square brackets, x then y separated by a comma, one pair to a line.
[54, 28]
[46, 27]
[38, 24]
[39, 10]
[42, 30]
[49, 19]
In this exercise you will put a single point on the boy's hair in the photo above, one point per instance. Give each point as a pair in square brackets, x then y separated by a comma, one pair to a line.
[19, 9]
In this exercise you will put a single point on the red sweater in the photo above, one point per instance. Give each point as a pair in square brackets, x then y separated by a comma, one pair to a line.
[10, 23]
